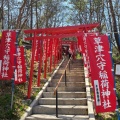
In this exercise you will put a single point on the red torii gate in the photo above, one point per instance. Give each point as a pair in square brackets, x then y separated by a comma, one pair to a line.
[50, 33]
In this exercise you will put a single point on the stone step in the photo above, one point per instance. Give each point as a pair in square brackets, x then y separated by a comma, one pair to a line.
[60, 117]
[75, 68]
[70, 72]
[70, 79]
[62, 109]
[43, 117]
[63, 101]
[69, 84]
[65, 95]
[72, 75]
[67, 89]
[80, 71]
[80, 64]
[75, 78]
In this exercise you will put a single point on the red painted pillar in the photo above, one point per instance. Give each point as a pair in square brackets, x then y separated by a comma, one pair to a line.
[40, 63]
[60, 50]
[55, 57]
[31, 67]
[51, 55]
[48, 52]
[54, 52]
[45, 66]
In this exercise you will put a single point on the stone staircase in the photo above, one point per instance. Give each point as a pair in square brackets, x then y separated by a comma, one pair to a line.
[72, 100]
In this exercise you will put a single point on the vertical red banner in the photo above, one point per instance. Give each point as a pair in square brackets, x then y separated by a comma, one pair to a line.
[8, 51]
[81, 44]
[20, 71]
[85, 54]
[101, 73]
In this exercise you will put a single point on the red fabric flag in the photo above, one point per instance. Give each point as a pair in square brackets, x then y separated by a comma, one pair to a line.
[8, 51]
[85, 52]
[101, 73]
[81, 44]
[20, 71]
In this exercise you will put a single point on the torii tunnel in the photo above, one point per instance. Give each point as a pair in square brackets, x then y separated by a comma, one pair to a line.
[53, 45]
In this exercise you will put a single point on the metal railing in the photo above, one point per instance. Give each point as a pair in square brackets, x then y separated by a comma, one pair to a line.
[56, 88]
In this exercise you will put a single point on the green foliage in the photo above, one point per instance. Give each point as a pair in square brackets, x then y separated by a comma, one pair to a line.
[78, 56]
[20, 103]
[20, 42]
[118, 88]
[105, 116]
[5, 108]
[79, 4]
[116, 55]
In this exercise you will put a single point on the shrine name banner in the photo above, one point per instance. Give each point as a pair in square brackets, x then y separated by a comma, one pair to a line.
[20, 71]
[7, 57]
[101, 73]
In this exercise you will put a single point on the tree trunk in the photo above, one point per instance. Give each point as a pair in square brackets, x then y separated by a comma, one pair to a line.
[114, 24]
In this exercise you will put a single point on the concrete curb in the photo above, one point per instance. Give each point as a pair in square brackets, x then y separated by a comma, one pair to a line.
[36, 100]
[88, 94]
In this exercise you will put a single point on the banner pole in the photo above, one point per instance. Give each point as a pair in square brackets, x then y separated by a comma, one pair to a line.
[13, 79]
[12, 93]
[26, 62]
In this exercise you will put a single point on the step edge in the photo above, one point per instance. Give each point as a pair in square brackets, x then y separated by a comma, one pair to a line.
[88, 95]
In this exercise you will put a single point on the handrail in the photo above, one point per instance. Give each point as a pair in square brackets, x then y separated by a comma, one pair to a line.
[56, 88]
[61, 78]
